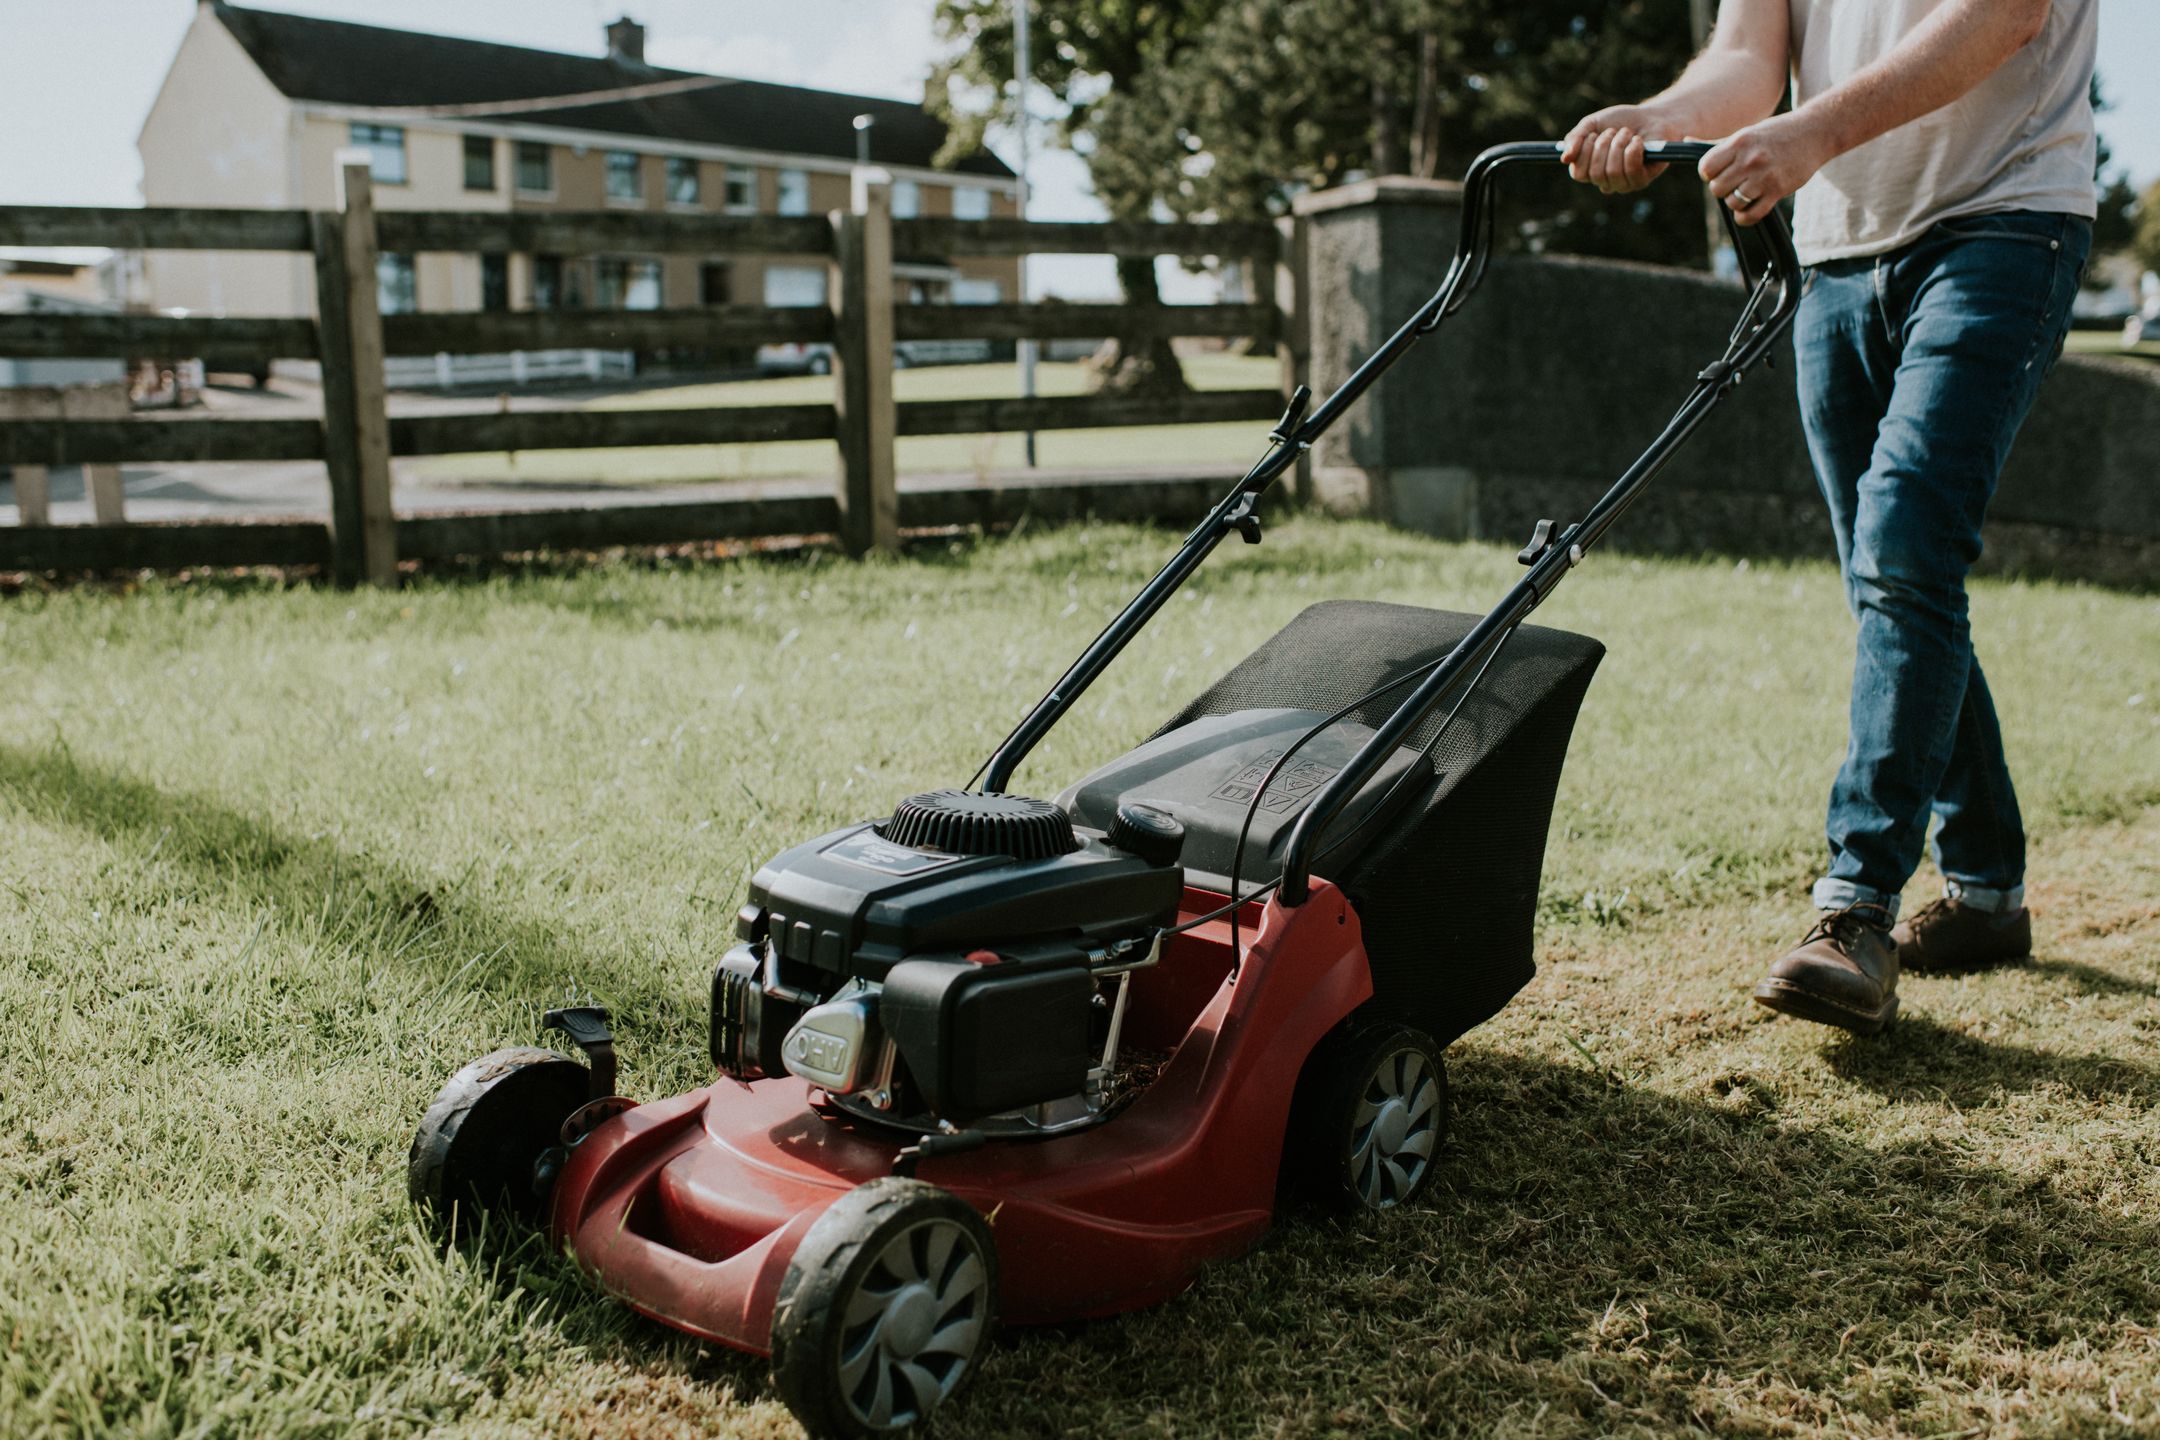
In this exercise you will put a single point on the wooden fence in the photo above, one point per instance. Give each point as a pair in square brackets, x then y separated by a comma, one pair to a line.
[356, 436]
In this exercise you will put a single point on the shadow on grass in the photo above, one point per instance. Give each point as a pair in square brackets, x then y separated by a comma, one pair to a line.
[1609, 1258]
[1919, 1059]
[2091, 979]
[336, 896]
[1599, 1256]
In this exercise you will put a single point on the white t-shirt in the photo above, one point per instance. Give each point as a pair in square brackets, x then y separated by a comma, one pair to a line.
[2022, 139]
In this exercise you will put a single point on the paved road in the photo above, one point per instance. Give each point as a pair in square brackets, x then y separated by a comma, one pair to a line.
[300, 488]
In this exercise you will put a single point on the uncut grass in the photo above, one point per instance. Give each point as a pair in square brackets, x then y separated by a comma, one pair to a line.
[277, 860]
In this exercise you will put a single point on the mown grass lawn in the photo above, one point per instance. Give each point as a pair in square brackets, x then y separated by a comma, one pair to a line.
[1203, 447]
[276, 860]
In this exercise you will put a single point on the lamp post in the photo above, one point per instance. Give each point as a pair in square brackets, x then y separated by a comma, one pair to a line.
[862, 138]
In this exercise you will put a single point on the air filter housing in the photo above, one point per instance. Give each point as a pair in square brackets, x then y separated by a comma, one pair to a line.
[960, 822]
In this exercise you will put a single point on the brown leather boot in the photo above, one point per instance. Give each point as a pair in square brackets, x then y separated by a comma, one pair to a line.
[1947, 937]
[1844, 972]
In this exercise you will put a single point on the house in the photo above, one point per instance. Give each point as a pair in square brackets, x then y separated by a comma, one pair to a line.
[257, 104]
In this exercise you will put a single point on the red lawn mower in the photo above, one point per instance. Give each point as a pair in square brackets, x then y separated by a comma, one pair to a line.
[993, 1058]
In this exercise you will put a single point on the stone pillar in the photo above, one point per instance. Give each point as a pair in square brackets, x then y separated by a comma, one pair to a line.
[1377, 250]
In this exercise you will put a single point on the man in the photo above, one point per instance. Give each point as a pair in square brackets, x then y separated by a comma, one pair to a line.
[1942, 154]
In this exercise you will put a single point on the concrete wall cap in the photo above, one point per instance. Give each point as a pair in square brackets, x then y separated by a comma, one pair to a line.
[1380, 189]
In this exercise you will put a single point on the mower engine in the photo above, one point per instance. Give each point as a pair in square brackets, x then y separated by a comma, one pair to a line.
[960, 963]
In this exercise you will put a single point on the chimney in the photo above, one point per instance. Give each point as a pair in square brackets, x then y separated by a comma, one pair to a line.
[626, 40]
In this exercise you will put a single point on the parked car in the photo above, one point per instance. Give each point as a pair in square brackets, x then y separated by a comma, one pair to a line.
[794, 358]
[798, 358]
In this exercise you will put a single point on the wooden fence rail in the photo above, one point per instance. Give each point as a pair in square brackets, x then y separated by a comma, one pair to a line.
[356, 435]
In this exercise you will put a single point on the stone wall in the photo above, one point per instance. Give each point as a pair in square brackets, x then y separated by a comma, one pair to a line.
[1558, 373]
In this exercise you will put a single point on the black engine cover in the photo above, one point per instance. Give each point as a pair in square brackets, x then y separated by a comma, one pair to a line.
[981, 1038]
[852, 903]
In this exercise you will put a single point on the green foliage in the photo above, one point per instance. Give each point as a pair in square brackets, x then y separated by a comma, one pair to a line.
[1227, 108]
[2145, 244]
[2115, 226]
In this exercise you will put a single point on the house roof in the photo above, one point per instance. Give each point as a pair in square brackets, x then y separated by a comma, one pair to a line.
[337, 62]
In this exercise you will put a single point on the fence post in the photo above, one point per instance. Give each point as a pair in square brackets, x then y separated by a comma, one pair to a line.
[33, 495]
[356, 421]
[862, 301]
[1293, 294]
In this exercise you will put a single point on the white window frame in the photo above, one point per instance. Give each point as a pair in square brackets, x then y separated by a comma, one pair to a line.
[383, 151]
[547, 163]
[742, 175]
[610, 164]
[675, 164]
[777, 285]
[397, 283]
[794, 197]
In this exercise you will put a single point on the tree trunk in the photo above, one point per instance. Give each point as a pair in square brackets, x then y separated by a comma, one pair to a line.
[1386, 136]
[1140, 367]
[1425, 124]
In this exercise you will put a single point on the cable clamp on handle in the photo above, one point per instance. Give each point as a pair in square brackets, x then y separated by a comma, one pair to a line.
[1293, 415]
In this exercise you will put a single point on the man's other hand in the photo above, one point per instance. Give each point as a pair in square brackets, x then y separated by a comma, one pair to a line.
[1605, 148]
[1752, 169]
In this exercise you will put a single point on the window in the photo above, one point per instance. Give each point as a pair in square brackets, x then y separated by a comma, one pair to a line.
[970, 202]
[628, 284]
[625, 176]
[396, 293]
[906, 199]
[682, 180]
[494, 282]
[385, 145]
[716, 283]
[741, 190]
[535, 168]
[795, 285]
[794, 192]
[479, 162]
[547, 282]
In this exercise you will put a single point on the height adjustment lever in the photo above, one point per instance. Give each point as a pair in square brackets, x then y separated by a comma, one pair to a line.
[1243, 519]
[1540, 542]
[587, 1027]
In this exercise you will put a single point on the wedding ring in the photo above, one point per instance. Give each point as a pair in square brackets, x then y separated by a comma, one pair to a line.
[1742, 200]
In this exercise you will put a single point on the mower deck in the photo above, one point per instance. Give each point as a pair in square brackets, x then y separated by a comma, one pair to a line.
[689, 1209]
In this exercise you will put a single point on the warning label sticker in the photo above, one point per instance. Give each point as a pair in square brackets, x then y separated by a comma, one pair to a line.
[1292, 787]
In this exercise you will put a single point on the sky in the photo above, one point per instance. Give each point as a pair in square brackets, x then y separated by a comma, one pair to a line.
[78, 76]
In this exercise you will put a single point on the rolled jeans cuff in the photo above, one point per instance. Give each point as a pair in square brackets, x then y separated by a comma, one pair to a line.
[1986, 901]
[1832, 894]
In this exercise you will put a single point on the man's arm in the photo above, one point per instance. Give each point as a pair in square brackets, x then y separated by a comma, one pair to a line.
[1738, 79]
[1948, 54]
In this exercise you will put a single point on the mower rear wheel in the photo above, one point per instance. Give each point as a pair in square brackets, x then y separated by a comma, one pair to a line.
[889, 1300]
[1370, 1115]
[480, 1142]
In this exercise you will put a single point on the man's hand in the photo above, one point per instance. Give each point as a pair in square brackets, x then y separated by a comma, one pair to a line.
[1605, 148]
[1753, 169]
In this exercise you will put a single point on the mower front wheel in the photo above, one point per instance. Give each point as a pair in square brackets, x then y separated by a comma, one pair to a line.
[480, 1143]
[884, 1309]
[1369, 1117]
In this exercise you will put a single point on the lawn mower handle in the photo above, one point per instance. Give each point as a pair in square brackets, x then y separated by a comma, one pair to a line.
[1758, 328]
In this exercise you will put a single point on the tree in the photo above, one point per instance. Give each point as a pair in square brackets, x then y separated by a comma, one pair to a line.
[1096, 57]
[1281, 95]
[2146, 244]
[2115, 227]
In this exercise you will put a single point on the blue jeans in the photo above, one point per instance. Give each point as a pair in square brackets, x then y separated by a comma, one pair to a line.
[1916, 369]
